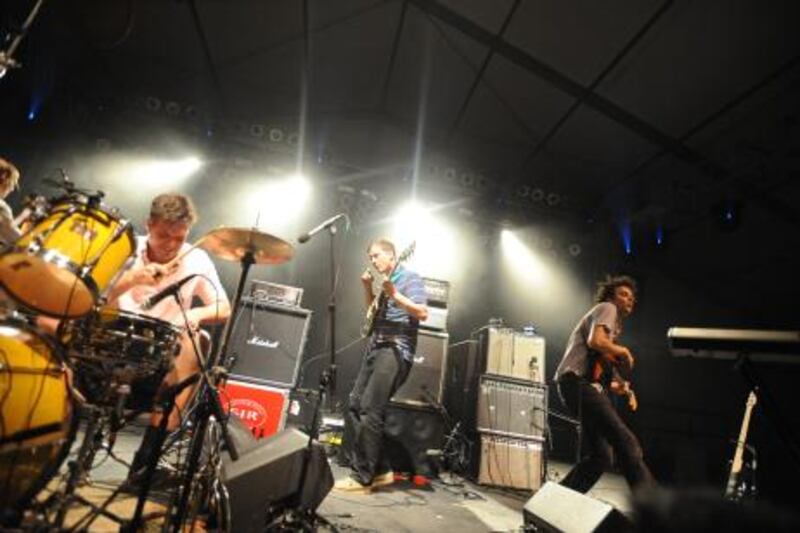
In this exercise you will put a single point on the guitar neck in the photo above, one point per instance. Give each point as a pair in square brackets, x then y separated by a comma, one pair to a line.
[736, 464]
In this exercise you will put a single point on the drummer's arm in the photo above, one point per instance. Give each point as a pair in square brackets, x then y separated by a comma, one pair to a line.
[213, 313]
[134, 277]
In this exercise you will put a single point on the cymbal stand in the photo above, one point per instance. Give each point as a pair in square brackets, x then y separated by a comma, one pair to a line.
[210, 406]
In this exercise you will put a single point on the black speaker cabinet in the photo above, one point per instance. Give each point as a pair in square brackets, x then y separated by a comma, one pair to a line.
[267, 478]
[267, 342]
[555, 508]
[424, 384]
[410, 434]
[461, 383]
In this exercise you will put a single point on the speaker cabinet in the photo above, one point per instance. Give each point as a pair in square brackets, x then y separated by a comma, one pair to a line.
[507, 462]
[513, 354]
[512, 408]
[411, 432]
[461, 383]
[555, 508]
[268, 341]
[425, 380]
[267, 478]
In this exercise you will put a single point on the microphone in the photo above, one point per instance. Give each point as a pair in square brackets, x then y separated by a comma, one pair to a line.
[325, 225]
[151, 301]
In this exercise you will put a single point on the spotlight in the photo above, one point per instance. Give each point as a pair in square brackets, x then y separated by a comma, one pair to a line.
[574, 249]
[436, 253]
[257, 130]
[524, 191]
[627, 237]
[537, 195]
[659, 237]
[151, 103]
[278, 201]
[467, 180]
[449, 174]
[481, 183]
[172, 108]
[728, 215]
[524, 264]
[553, 199]
[275, 135]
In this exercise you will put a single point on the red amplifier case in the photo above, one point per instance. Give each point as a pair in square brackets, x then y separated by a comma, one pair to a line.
[261, 408]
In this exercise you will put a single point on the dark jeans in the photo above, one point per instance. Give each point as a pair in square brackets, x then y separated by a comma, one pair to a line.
[603, 430]
[381, 374]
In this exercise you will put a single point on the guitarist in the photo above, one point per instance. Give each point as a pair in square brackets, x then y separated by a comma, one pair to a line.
[390, 352]
[585, 388]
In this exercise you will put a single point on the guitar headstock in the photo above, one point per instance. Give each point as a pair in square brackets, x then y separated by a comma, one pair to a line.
[407, 252]
[751, 400]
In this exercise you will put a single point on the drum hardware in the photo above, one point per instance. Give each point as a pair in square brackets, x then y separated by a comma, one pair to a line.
[248, 247]
[134, 524]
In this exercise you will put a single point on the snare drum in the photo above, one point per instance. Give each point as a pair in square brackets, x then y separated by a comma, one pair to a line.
[37, 422]
[113, 346]
[64, 263]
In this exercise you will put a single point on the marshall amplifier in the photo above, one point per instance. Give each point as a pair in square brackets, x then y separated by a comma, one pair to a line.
[267, 342]
[512, 408]
[425, 381]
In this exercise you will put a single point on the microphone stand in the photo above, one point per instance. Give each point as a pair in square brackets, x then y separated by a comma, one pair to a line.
[330, 379]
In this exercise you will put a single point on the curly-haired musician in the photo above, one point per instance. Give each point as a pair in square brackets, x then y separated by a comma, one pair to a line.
[593, 346]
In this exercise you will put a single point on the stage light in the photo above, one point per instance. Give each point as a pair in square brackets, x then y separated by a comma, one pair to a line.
[659, 237]
[166, 172]
[276, 202]
[524, 265]
[436, 251]
[728, 214]
[626, 234]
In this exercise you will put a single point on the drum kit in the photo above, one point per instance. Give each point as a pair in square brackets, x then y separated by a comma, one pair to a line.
[71, 251]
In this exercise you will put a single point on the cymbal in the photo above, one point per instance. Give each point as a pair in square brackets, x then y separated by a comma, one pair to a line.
[233, 243]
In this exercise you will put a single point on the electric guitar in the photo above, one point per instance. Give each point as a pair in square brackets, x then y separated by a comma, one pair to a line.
[601, 373]
[379, 301]
[734, 490]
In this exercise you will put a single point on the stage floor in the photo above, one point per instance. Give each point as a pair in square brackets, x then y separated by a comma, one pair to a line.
[448, 504]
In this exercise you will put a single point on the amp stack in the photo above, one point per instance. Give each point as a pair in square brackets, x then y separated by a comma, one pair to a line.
[267, 344]
[495, 386]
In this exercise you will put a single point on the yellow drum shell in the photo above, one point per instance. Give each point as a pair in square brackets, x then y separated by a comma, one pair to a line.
[36, 408]
[67, 260]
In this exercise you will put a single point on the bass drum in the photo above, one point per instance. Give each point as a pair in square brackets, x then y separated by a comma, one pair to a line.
[37, 418]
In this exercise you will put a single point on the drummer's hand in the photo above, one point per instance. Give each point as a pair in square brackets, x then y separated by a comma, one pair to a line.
[192, 320]
[148, 275]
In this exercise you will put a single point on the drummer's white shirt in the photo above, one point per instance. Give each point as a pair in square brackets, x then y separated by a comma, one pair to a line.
[206, 286]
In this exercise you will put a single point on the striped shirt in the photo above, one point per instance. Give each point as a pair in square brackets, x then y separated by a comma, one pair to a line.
[394, 327]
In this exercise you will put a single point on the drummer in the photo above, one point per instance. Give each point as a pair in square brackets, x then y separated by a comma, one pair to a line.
[9, 180]
[162, 258]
